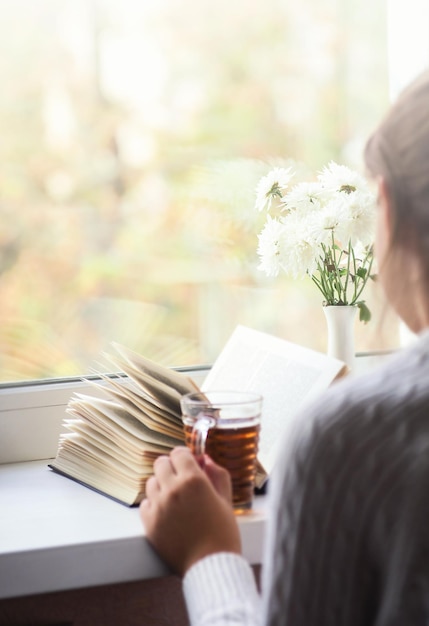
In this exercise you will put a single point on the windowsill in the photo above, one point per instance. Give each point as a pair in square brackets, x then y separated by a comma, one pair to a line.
[56, 535]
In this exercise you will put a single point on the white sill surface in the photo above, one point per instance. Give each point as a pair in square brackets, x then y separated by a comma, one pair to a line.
[56, 534]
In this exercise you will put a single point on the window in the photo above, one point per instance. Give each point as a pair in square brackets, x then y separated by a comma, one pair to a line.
[133, 135]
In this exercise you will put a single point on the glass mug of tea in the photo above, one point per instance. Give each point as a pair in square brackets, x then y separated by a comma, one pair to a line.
[225, 425]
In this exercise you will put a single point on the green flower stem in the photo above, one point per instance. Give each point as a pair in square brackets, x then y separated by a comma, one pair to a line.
[356, 281]
[340, 288]
[322, 284]
[367, 275]
[350, 253]
[337, 263]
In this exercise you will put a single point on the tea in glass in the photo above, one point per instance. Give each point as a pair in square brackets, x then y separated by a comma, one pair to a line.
[225, 425]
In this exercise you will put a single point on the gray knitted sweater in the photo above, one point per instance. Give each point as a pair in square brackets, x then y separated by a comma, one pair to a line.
[348, 537]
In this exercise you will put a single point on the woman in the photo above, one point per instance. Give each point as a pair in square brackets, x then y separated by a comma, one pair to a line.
[348, 537]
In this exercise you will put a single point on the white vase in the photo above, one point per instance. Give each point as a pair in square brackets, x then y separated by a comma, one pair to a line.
[341, 334]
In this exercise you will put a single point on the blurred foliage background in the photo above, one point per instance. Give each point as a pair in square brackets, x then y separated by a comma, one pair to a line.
[132, 136]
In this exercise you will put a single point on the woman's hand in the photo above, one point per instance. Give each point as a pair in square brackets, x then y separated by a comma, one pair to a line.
[188, 511]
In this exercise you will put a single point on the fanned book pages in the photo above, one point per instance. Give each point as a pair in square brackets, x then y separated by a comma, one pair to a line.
[113, 437]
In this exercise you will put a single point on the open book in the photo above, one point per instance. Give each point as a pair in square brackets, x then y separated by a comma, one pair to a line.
[114, 435]
[287, 376]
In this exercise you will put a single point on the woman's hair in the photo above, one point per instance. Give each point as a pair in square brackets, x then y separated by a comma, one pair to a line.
[399, 152]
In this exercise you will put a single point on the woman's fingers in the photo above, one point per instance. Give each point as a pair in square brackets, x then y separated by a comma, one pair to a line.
[183, 460]
[220, 479]
[163, 471]
[183, 463]
[152, 487]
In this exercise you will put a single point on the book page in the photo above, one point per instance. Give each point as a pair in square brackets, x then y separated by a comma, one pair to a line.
[143, 408]
[133, 363]
[285, 374]
[111, 417]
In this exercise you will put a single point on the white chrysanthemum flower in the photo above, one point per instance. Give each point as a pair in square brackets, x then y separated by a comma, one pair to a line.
[358, 222]
[331, 216]
[341, 178]
[271, 185]
[347, 193]
[300, 246]
[269, 247]
[303, 197]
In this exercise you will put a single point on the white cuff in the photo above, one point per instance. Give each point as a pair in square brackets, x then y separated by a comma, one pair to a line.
[221, 589]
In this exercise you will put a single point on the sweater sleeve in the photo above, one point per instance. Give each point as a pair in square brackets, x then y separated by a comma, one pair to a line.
[220, 590]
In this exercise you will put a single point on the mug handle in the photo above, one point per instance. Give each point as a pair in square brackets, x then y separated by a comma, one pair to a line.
[200, 433]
